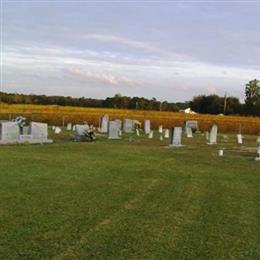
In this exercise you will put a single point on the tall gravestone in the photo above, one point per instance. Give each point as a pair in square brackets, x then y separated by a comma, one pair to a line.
[104, 121]
[147, 126]
[258, 154]
[119, 123]
[113, 130]
[213, 134]
[189, 132]
[128, 126]
[176, 135]
[239, 139]
[160, 129]
[137, 132]
[167, 133]
[69, 127]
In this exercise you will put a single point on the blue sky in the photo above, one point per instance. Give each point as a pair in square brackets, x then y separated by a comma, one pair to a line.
[171, 50]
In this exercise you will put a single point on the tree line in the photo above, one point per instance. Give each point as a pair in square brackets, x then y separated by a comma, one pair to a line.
[205, 104]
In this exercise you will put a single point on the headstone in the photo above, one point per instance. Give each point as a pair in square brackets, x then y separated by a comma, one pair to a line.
[147, 127]
[57, 130]
[104, 121]
[176, 135]
[258, 139]
[113, 130]
[84, 133]
[161, 138]
[53, 127]
[193, 124]
[74, 128]
[120, 132]
[213, 134]
[128, 126]
[160, 129]
[220, 152]
[81, 132]
[38, 130]
[239, 139]
[119, 123]
[35, 133]
[9, 132]
[69, 127]
[258, 154]
[150, 135]
[207, 135]
[189, 132]
[167, 133]
[137, 132]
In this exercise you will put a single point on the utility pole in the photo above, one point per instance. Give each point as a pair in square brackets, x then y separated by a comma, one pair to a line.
[225, 103]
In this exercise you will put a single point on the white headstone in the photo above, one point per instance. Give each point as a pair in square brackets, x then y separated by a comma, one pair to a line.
[137, 132]
[189, 132]
[147, 127]
[160, 129]
[57, 130]
[239, 139]
[69, 127]
[38, 130]
[9, 131]
[176, 137]
[258, 139]
[74, 128]
[167, 133]
[104, 124]
[213, 134]
[207, 135]
[35, 133]
[119, 123]
[220, 152]
[150, 135]
[258, 154]
[128, 126]
[161, 138]
[113, 130]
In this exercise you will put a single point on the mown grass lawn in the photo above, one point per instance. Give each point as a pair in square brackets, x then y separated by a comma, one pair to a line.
[121, 200]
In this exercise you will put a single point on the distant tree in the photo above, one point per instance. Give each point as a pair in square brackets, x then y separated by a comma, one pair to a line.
[252, 101]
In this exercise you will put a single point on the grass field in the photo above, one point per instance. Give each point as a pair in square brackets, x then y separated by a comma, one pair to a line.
[138, 200]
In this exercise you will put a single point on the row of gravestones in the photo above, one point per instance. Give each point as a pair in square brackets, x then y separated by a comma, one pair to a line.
[14, 132]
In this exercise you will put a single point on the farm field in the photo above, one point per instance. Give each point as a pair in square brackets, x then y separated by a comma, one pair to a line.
[138, 200]
[58, 115]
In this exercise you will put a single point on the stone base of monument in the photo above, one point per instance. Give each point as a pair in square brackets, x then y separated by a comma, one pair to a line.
[114, 138]
[175, 146]
[24, 141]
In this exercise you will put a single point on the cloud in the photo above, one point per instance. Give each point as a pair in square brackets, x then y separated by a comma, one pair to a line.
[101, 77]
[148, 47]
[90, 70]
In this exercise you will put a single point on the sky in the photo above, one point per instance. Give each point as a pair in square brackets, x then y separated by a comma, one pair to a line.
[170, 50]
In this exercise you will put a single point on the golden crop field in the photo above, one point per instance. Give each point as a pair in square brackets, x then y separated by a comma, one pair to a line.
[58, 115]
